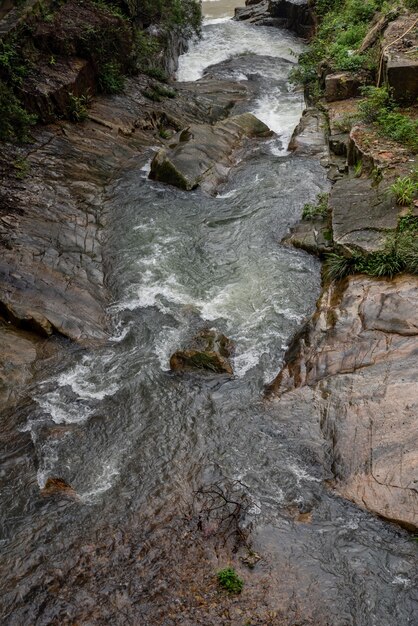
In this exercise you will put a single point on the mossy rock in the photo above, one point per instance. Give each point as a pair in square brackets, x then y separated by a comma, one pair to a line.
[209, 350]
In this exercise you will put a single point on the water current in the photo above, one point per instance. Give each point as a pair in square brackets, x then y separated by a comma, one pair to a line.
[132, 438]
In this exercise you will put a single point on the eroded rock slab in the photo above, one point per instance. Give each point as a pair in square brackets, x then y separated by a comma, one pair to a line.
[359, 356]
[362, 214]
[203, 154]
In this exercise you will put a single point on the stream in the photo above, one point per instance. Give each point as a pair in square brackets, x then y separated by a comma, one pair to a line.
[135, 441]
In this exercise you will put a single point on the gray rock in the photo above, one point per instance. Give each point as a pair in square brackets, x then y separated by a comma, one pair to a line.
[358, 357]
[362, 215]
[203, 153]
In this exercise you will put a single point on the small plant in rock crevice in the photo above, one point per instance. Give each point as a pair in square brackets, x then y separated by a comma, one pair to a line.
[77, 107]
[320, 209]
[229, 580]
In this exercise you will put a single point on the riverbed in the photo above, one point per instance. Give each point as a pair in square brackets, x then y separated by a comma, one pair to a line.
[136, 441]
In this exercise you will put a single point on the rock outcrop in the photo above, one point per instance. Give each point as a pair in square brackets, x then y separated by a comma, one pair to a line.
[400, 67]
[209, 351]
[359, 357]
[202, 154]
[295, 15]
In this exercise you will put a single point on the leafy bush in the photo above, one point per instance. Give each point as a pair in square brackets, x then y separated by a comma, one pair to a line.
[377, 99]
[228, 579]
[343, 25]
[15, 121]
[111, 79]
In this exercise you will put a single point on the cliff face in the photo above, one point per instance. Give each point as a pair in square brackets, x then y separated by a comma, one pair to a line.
[359, 357]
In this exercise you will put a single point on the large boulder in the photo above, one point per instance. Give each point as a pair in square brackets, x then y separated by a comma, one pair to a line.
[358, 357]
[202, 154]
[399, 65]
[295, 15]
[209, 350]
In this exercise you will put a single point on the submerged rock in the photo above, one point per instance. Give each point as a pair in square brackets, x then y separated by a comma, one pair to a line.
[202, 154]
[209, 350]
[58, 486]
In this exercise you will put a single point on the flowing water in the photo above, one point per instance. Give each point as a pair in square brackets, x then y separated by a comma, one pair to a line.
[134, 439]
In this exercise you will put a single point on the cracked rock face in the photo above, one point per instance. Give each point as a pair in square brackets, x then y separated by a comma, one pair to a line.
[359, 356]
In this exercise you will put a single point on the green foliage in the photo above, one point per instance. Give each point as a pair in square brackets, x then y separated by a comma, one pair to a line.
[111, 79]
[146, 50]
[400, 254]
[377, 99]
[404, 189]
[229, 580]
[12, 64]
[21, 167]
[412, 4]
[343, 25]
[320, 209]
[77, 107]
[378, 108]
[182, 15]
[157, 92]
[15, 121]
[400, 128]
[158, 73]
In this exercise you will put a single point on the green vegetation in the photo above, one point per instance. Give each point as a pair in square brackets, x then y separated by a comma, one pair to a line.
[111, 79]
[405, 189]
[15, 121]
[379, 109]
[157, 92]
[21, 167]
[77, 108]
[320, 209]
[343, 25]
[400, 254]
[229, 580]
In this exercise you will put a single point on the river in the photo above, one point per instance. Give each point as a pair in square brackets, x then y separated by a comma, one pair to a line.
[136, 441]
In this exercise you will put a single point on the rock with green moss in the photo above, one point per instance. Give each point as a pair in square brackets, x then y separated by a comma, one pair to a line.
[209, 350]
[202, 154]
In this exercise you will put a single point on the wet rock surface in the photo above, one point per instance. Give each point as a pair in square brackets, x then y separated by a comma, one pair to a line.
[309, 136]
[296, 15]
[51, 228]
[203, 154]
[358, 355]
[209, 350]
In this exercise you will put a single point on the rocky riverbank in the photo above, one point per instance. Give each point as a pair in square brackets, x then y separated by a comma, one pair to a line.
[357, 354]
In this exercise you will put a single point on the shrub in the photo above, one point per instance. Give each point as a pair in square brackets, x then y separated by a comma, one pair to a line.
[228, 579]
[377, 100]
[111, 79]
[15, 121]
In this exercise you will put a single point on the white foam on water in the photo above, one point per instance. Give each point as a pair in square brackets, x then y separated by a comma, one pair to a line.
[79, 379]
[223, 39]
[401, 580]
[62, 412]
[281, 113]
[103, 482]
